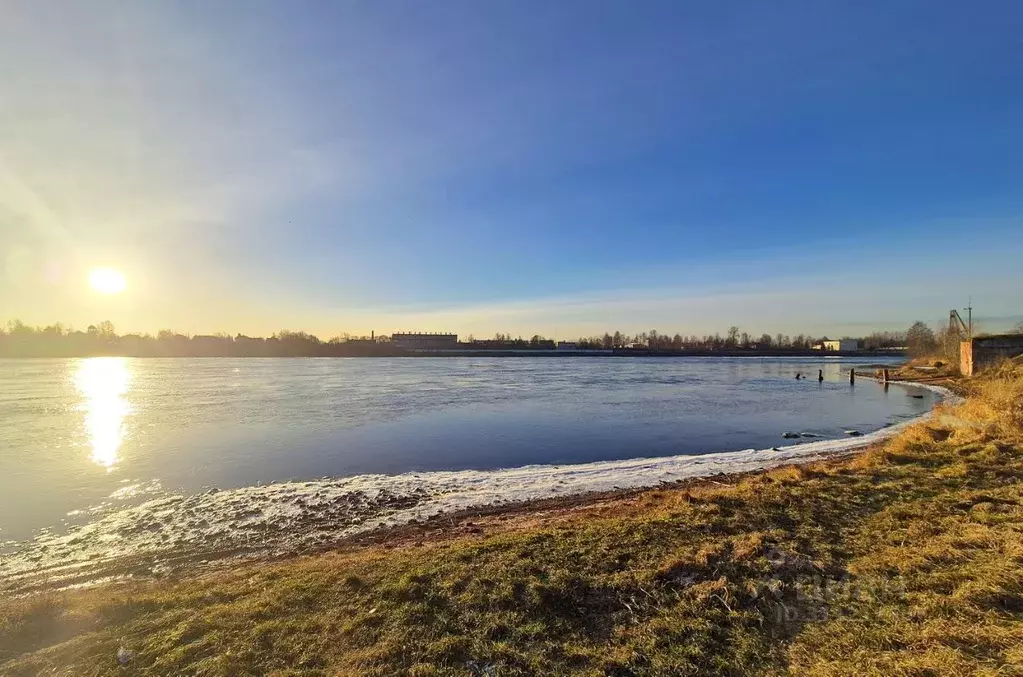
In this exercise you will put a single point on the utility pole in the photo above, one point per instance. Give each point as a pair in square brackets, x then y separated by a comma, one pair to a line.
[969, 312]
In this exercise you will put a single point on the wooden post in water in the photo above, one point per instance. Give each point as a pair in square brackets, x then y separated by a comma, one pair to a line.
[852, 376]
[886, 376]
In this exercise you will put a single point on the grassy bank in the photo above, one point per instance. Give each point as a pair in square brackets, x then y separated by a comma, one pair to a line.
[905, 559]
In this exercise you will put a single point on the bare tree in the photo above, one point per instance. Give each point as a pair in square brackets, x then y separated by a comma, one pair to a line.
[920, 340]
[733, 335]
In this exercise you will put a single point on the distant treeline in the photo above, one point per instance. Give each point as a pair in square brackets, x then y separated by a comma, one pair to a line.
[21, 340]
[56, 340]
[734, 339]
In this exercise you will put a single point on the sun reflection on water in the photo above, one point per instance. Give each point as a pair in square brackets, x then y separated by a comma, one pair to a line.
[103, 382]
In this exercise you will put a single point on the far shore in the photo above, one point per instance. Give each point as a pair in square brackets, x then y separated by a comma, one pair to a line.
[392, 353]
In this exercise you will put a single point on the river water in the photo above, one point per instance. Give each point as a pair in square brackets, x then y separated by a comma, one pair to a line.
[80, 438]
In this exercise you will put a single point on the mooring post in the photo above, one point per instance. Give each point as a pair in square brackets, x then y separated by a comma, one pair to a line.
[886, 376]
[852, 376]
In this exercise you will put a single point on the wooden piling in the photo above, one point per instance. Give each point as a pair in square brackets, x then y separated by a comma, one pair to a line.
[886, 376]
[852, 376]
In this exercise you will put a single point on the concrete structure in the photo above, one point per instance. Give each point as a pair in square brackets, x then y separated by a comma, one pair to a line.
[841, 345]
[977, 354]
[412, 341]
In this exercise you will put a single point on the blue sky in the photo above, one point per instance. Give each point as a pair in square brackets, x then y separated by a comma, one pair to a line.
[561, 168]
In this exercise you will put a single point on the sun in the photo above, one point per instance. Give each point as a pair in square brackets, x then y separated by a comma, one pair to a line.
[107, 280]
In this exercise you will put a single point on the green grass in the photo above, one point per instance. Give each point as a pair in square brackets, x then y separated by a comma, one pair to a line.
[904, 560]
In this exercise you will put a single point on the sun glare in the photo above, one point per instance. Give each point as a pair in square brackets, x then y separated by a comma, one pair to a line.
[103, 383]
[107, 280]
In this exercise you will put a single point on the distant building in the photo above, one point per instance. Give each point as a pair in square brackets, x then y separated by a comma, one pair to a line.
[841, 345]
[568, 345]
[411, 341]
[360, 341]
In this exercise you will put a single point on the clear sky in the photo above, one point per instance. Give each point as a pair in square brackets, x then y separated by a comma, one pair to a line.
[510, 165]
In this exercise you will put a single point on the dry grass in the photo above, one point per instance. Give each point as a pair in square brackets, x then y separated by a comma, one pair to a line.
[906, 559]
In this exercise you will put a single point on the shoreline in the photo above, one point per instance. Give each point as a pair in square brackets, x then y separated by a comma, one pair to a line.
[170, 535]
[899, 558]
[389, 353]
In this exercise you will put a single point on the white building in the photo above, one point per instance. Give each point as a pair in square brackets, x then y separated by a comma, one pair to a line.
[842, 345]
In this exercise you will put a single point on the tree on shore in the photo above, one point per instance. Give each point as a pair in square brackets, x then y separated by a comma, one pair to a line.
[733, 336]
[920, 340]
[883, 339]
